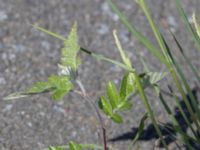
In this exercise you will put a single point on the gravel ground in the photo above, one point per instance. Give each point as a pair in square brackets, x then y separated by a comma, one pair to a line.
[28, 55]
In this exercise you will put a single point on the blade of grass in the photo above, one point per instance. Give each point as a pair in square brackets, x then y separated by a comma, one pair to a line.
[184, 80]
[155, 30]
[151, 48]
[196, 24]
[194, 70]
[183, 113]
[175, 123]
[148, 108]
[169, 65]
[188, 25]
[49, 32]
[101, 57]
[136, 33]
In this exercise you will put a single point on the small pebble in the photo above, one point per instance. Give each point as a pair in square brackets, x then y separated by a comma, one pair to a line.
[172, 22]
[124, 36]
[2, 81]
[7, 108]
[59, 109]
[46, 45]
[3, 16]
[29, 124]
[106, 10]
[102, 29]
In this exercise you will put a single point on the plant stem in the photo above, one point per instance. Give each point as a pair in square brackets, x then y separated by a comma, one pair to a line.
[148, 108]
[99, 117]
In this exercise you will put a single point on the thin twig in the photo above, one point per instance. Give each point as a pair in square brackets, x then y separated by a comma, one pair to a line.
[101, 121]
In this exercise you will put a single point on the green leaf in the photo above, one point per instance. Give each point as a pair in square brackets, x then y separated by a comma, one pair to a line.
[117, 118]
[59, 85]
[70, 50]
[40, 87]
[74, 146]
[112, 94]
[59, 94]
[16, 96]
[36, 88]
[63, 85]
[104, 105]
[125, 105]
[127, 85]
[55, 148]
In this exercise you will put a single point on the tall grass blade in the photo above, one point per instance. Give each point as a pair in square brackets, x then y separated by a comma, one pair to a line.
[148, 108]
[101, 57]
[186, 85]
[188, 25]
[136, 33]
[194, 70]
[163, 45]
[175, 123]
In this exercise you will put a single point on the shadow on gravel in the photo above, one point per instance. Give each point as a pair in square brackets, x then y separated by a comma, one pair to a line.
[167, 129]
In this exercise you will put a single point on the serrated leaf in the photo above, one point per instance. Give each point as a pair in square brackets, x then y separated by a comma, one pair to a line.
[70, 50]
[59, 85]
[127, 85]
[117, 118]
[63, 85]
[112, 94]
[36, 88]
[59, 94]
[105, 106]
[74, 146]
[40, 87]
